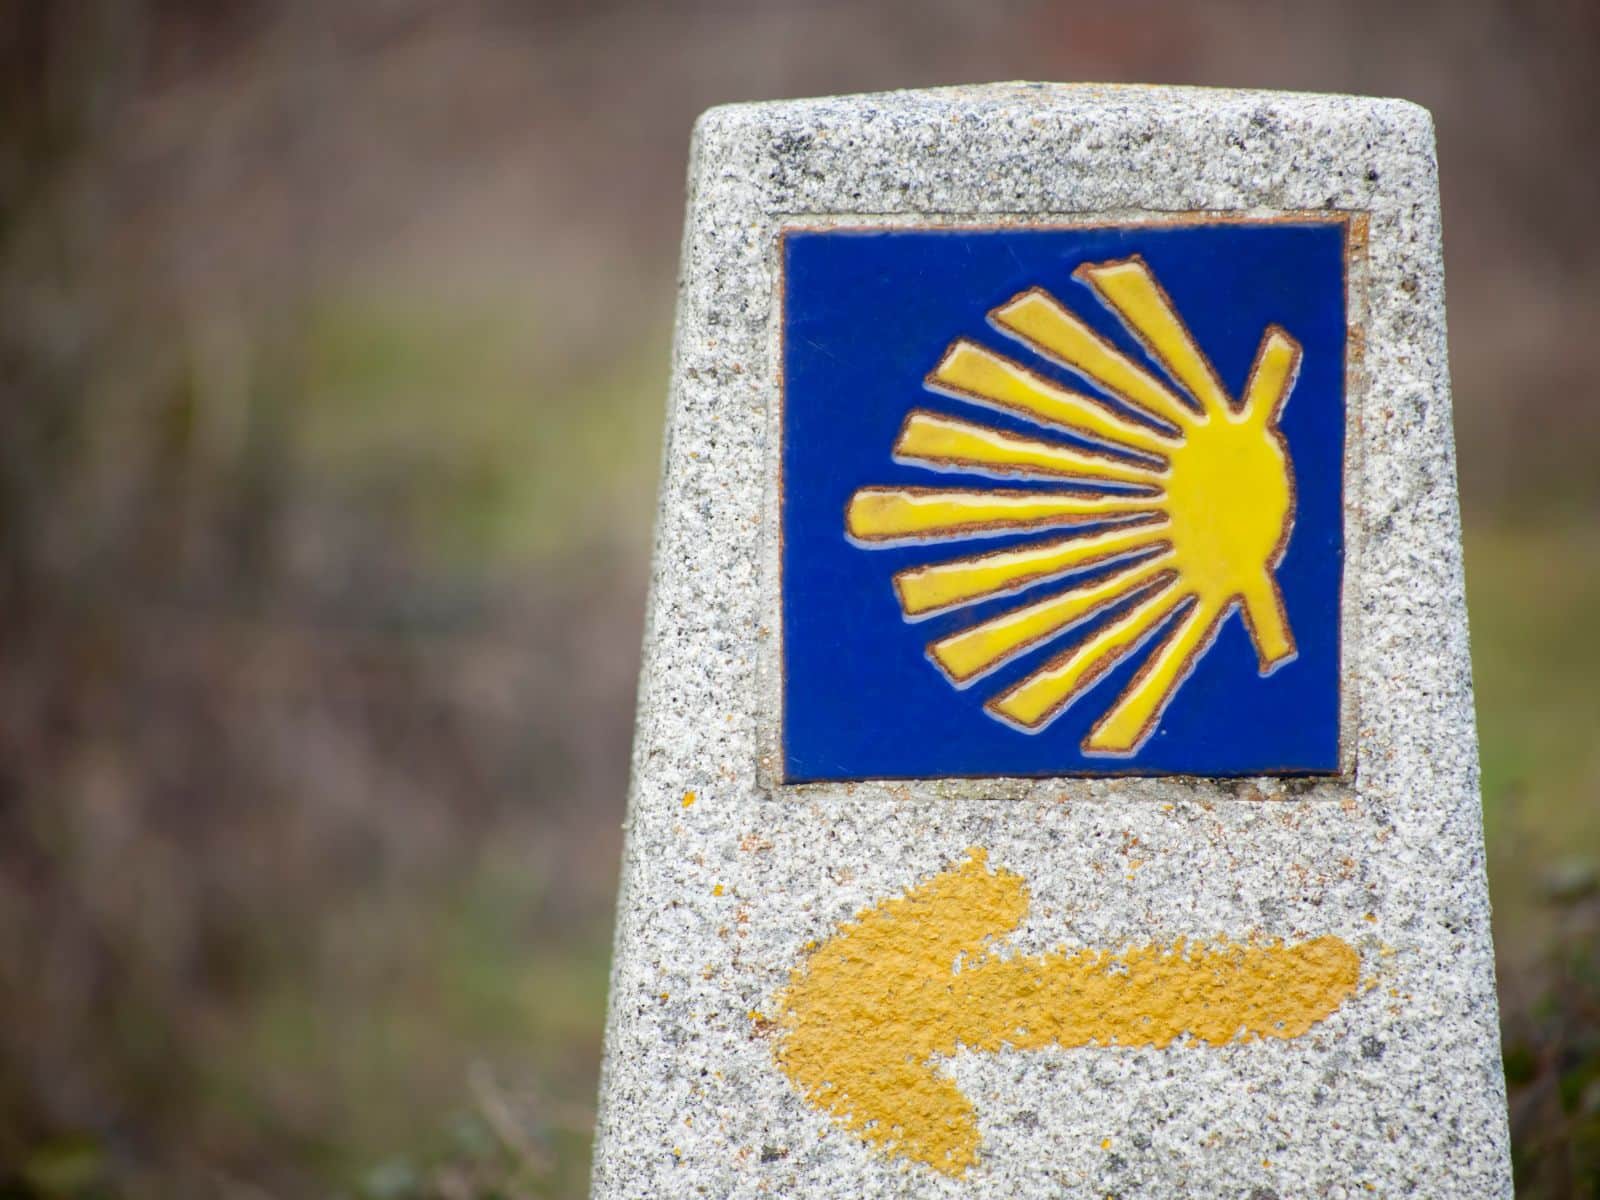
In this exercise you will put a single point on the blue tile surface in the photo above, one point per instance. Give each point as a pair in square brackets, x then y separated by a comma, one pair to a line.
[867, 314]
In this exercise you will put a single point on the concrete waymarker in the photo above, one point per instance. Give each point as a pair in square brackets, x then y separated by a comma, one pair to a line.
[1055, 770]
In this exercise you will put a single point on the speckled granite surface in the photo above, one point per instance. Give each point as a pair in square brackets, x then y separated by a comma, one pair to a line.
[731, 878]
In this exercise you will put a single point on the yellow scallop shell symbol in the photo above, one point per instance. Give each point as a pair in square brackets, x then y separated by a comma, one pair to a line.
[1177, 506]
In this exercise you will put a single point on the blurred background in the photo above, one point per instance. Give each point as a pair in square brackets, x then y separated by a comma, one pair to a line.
[333, 349]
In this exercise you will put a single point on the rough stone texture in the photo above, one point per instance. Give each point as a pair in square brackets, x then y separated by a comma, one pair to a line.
[1399, 1093]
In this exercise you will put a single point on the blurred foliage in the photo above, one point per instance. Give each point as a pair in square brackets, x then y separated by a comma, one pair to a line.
[331, 349]
[309, 646]
[1532, 592]
[1552, 1059]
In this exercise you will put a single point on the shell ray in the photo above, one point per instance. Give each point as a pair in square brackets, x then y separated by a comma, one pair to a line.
[940, 586]
[1178, 509]
[1132, 719]
[971, 653]
[1041, 321]
[972, 372]
[945, 443]
[887, 516]
[1041, 697]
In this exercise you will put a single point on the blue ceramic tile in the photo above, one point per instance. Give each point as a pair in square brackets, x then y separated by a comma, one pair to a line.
[870, 315]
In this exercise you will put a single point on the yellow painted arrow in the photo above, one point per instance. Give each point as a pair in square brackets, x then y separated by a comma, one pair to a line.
[919, 976]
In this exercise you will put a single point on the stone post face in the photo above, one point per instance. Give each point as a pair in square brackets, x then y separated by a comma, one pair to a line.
[1055, 770]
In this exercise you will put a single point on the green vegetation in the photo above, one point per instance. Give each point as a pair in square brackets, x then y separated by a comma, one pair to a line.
[502, 450]
[1533, 593]
[332, 355]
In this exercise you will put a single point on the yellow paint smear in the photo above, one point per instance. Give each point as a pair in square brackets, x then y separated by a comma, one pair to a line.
[865, 1017]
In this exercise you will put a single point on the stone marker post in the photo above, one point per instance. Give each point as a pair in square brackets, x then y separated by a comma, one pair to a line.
[1055, 769]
